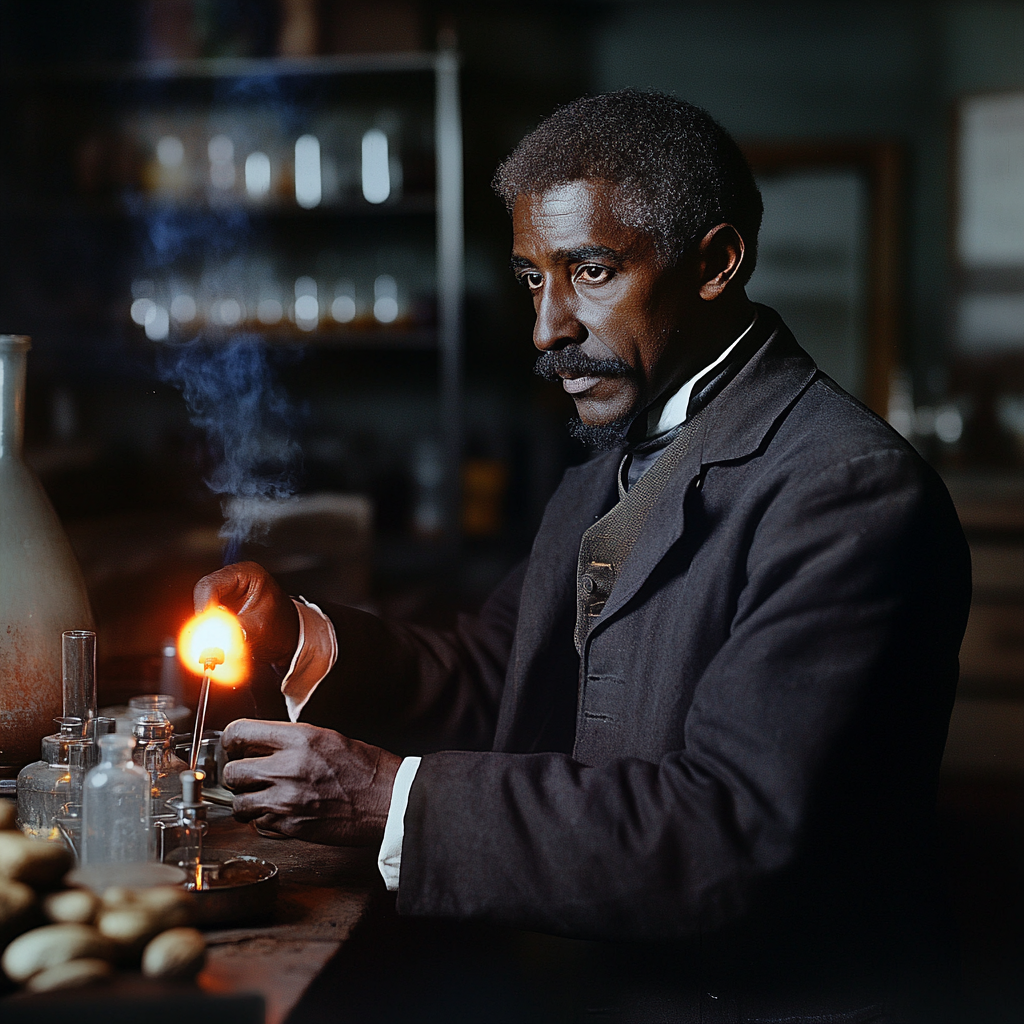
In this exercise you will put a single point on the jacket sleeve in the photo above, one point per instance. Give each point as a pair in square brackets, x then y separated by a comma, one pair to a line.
[823, 708]
[412, 689]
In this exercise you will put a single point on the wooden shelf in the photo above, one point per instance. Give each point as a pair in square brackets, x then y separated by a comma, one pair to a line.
[233, 67]
[416, 338]
[140, 207]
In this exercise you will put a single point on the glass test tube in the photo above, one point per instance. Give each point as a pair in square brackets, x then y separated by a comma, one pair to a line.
[78, 657]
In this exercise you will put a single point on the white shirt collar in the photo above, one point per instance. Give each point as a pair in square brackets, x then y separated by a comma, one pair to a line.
[673, 412]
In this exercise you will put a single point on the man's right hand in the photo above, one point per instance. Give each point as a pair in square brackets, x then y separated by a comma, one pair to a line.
[265, 611]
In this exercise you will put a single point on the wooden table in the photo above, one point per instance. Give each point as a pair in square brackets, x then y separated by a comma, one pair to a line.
[323, 893]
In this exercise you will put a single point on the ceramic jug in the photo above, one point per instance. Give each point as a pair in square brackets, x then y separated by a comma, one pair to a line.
[42, 592]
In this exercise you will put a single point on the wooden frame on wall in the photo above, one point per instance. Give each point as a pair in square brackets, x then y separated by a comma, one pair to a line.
[986, 256]
[881, 166]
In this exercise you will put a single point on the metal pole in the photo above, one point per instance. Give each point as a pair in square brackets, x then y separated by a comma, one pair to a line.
[450, 278]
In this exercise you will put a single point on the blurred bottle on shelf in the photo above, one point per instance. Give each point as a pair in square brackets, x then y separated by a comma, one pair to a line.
[343, 308]
[307, 307]
[385, 299]
[484, 486]
[299, 34]
[428, 477]
[308, 178]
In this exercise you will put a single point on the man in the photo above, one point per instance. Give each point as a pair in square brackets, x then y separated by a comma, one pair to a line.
[705, 718]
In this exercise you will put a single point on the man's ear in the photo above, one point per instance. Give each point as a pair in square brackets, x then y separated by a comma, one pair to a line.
[721, 254]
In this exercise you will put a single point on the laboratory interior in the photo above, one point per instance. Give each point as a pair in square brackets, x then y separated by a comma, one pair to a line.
[265, 276]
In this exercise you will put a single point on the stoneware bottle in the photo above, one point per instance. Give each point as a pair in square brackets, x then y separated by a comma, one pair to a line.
[42, 592]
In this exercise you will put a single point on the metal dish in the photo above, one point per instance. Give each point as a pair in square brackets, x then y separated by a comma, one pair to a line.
[237, 889]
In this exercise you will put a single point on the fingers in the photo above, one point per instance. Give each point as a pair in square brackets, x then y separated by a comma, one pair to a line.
[227, 587]
[248, 806]
[265, 612]
[246, 774]
[250, 737]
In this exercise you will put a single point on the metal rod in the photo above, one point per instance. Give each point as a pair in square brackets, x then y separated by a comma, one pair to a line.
[210, 658]
[450, 280]
[200, 723]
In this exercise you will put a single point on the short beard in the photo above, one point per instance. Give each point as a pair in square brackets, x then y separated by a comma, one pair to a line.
[605, 437]
[570, 360]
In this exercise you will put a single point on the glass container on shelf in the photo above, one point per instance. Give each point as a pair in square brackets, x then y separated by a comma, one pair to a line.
[47, 787]
[116, 806]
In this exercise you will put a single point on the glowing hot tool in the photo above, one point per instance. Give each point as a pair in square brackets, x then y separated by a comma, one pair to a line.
[215, 640]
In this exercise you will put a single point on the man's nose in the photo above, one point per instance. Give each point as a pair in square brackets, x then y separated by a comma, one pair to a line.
[557, 322]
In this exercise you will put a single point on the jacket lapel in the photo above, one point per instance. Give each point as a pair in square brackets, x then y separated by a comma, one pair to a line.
[735, 425]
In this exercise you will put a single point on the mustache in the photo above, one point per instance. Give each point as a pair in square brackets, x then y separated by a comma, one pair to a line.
[570, 361]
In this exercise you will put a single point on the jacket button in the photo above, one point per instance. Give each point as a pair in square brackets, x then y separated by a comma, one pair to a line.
[587, 582]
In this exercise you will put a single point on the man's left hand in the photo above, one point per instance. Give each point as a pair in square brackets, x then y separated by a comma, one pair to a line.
[308, 782]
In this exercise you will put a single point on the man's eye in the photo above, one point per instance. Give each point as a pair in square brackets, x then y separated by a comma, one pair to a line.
[592, 274]
[531, 280]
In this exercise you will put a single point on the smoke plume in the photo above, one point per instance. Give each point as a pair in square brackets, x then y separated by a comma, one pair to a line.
[234, 397]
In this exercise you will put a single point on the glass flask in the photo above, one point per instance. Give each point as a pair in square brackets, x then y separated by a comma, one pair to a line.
[115, 806]
[154, 751]
[45, 788]
[43, 591]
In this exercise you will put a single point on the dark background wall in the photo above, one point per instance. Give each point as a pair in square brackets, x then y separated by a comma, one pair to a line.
[115, 448]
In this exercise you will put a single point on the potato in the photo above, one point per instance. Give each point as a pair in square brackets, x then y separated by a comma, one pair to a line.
[71, 906]
[171, 905]
[51, 945]
[8, 815]
[15, 899]
[32, 861]
[70, 975]
[177, 953]
[117, 897]
[129, 926]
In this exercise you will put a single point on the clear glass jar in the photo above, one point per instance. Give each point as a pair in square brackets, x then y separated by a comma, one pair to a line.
[45, 788]
[115, 806]
[154, 751]
[177, 713]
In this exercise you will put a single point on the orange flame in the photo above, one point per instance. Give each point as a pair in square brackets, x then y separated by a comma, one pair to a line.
[216, 628]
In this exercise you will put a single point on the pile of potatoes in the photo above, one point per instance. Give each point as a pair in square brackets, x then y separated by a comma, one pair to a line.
[88, 936]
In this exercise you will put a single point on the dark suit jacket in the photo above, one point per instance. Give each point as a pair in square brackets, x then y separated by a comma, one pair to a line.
[745, 760]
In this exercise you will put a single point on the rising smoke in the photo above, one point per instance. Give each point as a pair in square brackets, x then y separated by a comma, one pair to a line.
[229, 384]
[234, 397]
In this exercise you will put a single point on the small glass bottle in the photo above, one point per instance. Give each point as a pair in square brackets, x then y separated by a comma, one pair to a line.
[191, 824]
[115, 806]
[154, 752]
[45, 787]
[101, 725]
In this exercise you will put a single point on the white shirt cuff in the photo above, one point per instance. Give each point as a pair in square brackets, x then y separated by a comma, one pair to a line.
[314, 657]
[389, 860]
